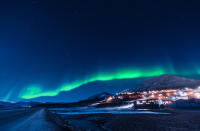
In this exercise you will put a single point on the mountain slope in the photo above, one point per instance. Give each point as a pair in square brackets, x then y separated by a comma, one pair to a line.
[102, 95]
[166, 82]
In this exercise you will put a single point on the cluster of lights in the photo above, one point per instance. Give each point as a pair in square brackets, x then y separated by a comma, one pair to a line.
[167, 96]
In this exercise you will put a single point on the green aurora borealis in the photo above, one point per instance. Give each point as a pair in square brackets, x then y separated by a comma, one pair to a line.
[68, 51]
[35, 91]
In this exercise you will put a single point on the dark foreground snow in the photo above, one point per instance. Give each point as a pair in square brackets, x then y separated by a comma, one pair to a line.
[25, 120]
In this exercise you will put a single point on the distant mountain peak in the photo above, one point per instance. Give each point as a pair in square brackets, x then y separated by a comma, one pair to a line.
[100, 95]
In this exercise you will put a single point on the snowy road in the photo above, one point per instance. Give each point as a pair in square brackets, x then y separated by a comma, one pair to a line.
[26, 120]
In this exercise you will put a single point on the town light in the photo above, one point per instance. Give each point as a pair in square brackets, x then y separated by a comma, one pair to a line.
[197, 95]
[109, 99]
[181, 93]
[168, 95]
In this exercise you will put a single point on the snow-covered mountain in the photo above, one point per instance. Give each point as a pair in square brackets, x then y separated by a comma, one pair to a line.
[166, 82]
[102, 95]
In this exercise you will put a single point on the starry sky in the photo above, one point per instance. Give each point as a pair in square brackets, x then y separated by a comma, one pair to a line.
[68, 50]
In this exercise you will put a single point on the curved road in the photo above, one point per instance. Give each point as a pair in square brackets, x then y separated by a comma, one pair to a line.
[26, 120]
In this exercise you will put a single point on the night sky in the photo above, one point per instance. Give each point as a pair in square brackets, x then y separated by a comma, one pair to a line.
[63, 48]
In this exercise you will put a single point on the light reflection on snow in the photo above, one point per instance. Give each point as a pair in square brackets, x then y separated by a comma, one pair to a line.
[126, 109]
[110, 112]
